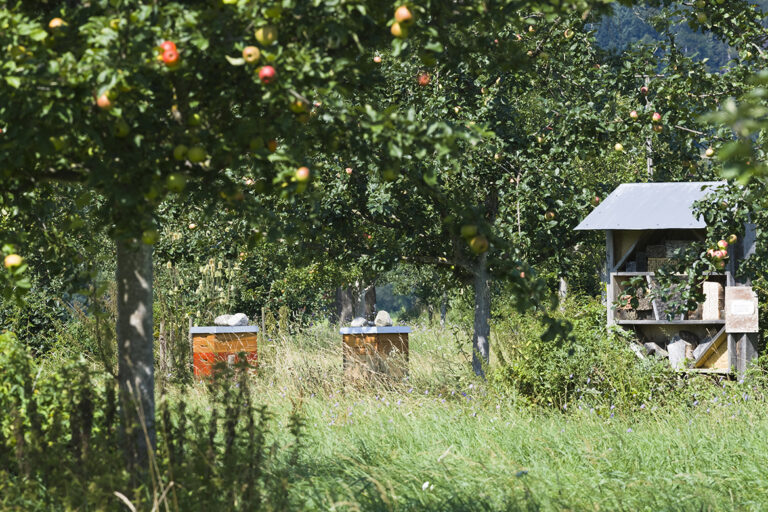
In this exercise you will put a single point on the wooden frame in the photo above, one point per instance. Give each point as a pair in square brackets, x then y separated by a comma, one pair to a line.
[370, 352]
[212, 345]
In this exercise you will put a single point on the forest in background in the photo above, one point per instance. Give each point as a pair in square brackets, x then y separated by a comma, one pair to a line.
[637, 25]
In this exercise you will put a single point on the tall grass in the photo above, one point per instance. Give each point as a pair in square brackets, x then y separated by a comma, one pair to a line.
[296, 436]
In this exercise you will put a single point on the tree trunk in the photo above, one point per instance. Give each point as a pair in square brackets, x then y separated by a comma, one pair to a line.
[359, 293]
[443, 310]
[563, 292]
[134, 349]
[482, 327]
[345, 305]
[370, 302]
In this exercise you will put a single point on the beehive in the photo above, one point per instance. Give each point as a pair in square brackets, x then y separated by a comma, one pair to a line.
[218, 344]
[371, 352]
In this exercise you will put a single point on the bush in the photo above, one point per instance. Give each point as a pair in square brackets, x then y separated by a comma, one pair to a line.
[60, 444]
[591, 368]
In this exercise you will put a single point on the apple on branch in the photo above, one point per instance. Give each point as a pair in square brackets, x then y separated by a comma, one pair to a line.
[267, 74]
[251, 54]
[103, 101]
[302, 174]
[12, 261]
[403, 15]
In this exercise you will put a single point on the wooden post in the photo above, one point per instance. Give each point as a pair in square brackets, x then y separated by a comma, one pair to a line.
[609, 262]
[191, 359]
[263, 322]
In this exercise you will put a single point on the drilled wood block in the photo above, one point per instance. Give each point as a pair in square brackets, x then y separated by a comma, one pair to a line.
[714, 301]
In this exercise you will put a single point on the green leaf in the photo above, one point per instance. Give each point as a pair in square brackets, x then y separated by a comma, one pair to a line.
[13, 81]
[235, 61]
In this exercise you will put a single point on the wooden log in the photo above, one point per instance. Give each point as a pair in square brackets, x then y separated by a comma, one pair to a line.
[655, 349]
[714, 301]
[679, 350]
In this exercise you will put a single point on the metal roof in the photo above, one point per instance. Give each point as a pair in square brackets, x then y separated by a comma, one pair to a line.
[650, 206]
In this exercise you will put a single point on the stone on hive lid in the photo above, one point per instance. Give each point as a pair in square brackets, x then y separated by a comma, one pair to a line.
[359, 322]
[231, 320]
[383, 319]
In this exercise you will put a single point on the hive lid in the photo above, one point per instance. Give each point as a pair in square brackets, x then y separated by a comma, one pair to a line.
[636, 206]
[219, 329]
[394, 329]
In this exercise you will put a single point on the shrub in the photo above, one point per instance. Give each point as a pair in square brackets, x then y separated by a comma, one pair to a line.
[60, 444]
[591, 368]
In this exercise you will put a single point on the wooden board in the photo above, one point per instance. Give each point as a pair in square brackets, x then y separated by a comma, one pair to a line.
[208, 350]
[741, 310]
[375, 354]
[716, 355]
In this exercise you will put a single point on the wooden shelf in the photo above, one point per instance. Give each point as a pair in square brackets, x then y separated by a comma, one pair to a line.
[669, 322]
[635, 274]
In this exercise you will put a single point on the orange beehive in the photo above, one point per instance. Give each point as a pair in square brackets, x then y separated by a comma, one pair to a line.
[375, 351]
[216, 344]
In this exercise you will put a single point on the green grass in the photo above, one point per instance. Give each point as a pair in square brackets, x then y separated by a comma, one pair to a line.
[443, 441]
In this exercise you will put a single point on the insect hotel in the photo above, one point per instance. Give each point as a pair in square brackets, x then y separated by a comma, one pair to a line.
[375, 351]
[212, 345]
[646, 225]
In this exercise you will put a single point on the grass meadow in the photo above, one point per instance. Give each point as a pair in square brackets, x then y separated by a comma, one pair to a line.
[444, 441]
[440, 440]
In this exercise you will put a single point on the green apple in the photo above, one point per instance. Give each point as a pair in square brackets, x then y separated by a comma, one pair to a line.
[180, 152]
[256, 144]
[266, 35]
[479, 244]
[194, 119]
[150, 236]
[468, 230]
[389, 174]
[176, 182]
[196, 154]
[122, 129]
[59, 143]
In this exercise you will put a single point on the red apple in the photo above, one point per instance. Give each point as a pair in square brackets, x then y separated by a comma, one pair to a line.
[272, 145]
[267, 74]
[595, 201]
[403, 15]
[168, 45]
[56, 23]
[103, 101]
[658, 128]
[302, 174]
[348, 170]
[722, 244]
[171, 58]
[424, 79]
[732, 239]
[644, 91]
[633, 115]
[377, 59]
[656, 117]
[550, 215]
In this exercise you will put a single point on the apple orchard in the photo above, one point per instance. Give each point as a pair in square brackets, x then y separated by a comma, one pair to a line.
[461, 139]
